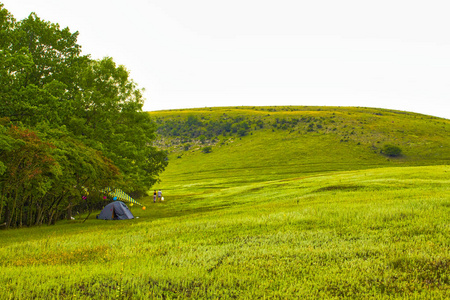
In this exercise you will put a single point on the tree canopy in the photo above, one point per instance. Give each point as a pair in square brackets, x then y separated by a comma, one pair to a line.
[69, 124]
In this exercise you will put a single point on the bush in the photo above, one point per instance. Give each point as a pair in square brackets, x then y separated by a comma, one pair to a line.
[242, 132]
[207, 149]
[391, 150]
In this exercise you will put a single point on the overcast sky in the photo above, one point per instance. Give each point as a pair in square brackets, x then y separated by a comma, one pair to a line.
[200, 53]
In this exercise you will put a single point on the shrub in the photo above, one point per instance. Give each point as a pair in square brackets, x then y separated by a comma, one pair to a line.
[242, 132]
[207, 149]
[391, 150]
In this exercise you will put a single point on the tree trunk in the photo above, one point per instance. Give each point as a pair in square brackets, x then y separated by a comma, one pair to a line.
[54, 211]
[69, 211]
[30, 212]
[21, 217]
[50, 217]
[90, 210]
[12, 211]
[1, 206]
[39, 212]
[7, 216]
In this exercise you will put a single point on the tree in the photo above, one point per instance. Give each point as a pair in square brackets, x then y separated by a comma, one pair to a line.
[47, 173]
[202, 139]
[109, 115]
[85, 172]
[391, 150]
[41, 67]
[47, 80]
[76, 122]
[242, 131]
[28, 161]
[207, 149]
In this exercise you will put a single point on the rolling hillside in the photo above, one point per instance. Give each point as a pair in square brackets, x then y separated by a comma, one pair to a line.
[284, 142]
[287, 203]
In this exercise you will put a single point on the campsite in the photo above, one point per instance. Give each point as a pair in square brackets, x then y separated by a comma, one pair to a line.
[246, 221]
[102, 199]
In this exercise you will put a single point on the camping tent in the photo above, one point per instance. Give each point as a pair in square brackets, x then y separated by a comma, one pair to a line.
[116, 210]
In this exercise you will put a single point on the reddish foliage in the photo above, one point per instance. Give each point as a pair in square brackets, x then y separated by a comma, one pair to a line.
[32, 157]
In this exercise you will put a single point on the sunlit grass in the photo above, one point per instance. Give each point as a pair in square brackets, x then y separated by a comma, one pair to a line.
[378, 233]
[276, 215]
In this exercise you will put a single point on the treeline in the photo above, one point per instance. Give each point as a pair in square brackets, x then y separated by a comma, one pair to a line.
[200, 127]
[185, 132]
[305, 123]
[69, 125]
[197, 127]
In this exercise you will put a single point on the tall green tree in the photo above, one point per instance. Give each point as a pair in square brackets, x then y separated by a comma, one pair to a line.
[110, 117]
[45, 79]
[40, 64]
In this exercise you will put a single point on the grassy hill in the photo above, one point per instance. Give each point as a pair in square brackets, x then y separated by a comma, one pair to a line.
[284, 142]
[285, 210]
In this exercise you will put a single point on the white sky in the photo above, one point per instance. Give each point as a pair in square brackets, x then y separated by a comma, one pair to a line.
[200, 53]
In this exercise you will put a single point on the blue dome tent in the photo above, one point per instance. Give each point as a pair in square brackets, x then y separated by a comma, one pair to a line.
[116, 210]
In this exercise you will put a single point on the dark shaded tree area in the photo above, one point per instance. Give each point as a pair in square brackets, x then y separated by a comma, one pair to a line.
[203, 128]
[195, 127]
[68, 124]
[391, 150]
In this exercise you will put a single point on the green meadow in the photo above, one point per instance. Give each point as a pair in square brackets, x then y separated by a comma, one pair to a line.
[285, 210]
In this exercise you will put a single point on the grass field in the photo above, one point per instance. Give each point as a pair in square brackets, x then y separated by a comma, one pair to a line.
[378, 233]
[264, 217]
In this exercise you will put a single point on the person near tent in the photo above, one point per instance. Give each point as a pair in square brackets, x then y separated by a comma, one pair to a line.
[154, 196]
[159, 195]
